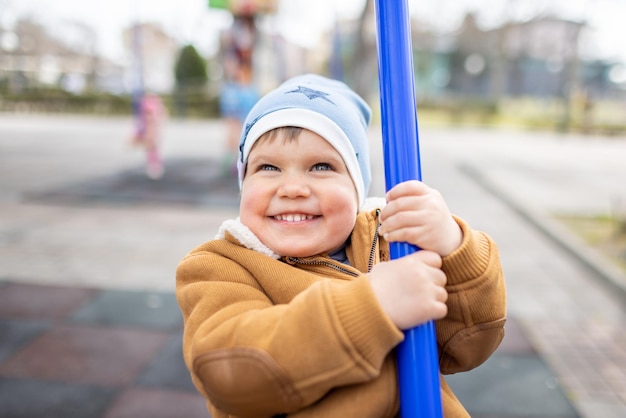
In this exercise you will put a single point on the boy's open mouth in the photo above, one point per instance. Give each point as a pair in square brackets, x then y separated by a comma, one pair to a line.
[294, 217]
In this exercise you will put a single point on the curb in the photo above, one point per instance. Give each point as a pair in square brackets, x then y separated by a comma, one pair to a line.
[609, 275]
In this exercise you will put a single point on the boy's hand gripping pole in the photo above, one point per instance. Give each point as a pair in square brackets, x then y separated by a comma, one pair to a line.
[418, 363]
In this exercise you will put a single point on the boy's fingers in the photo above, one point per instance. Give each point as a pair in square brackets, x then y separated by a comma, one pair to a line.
[399, 205]
[400, 235]
[428, 257]
[407, 187]
[399, 219]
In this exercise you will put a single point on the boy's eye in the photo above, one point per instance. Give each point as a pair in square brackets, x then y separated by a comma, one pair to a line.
[322, 167]
[267, 167]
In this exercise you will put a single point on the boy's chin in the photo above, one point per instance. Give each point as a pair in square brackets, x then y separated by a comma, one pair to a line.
[296, 253]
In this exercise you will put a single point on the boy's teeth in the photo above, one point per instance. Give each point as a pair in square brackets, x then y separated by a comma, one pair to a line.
[293, 217]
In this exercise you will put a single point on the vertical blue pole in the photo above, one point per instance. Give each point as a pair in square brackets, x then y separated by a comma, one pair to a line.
[336, 56]
[418, 361]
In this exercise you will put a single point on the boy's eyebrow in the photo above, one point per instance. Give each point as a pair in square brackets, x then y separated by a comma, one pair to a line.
[331, 157]
[263, 155]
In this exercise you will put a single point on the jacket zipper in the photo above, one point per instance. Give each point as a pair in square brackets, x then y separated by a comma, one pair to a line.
[370, 263]
[296, 260]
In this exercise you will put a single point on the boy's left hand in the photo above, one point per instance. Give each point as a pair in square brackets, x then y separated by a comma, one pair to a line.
[418, 214]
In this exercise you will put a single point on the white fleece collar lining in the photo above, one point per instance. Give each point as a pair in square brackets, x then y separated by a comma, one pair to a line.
[245, 236]
[248, 239]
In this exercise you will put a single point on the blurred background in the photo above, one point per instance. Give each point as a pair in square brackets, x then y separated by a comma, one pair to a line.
[551, 64]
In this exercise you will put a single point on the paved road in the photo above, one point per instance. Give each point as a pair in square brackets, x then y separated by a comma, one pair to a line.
[88, 249]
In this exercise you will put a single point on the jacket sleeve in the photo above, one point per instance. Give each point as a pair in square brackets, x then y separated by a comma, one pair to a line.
[474, 326]
[253, 357]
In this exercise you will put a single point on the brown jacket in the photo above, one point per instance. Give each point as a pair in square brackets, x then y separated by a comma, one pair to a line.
[266, 336]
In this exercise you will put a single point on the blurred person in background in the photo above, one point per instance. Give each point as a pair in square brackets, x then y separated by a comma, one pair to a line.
[239, 92]
[236, 99]
[147, 134]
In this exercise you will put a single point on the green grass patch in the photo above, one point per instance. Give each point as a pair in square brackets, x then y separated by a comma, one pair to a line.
[606, 234]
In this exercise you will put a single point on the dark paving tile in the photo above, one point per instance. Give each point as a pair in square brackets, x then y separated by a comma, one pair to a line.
[15, 333]
[19, 300]
[511, 386]
[187, 181]
[155, 403]
[134, 309]
[91, 355]
[22, 398]
[515, 340]
[168, 369]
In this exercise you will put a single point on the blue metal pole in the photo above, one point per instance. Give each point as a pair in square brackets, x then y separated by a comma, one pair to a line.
[336, 56]
[418, 362]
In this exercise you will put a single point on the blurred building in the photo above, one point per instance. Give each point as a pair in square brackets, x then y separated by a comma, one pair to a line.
[276, 59]
[151, 56]
[31, 57]
[538, 58]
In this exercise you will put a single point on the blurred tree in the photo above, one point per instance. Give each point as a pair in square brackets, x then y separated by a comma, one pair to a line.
[190, 73]
[190, 69]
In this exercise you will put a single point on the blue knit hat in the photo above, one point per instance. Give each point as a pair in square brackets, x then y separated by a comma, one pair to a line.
[324, 106]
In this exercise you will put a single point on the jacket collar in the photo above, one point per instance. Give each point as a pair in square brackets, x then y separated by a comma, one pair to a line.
[245, 236]
[248, 239]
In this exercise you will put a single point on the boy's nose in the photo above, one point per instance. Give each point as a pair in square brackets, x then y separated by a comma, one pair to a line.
[294, 187]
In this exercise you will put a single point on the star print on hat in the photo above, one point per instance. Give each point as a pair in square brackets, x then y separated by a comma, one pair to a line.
[311, 94]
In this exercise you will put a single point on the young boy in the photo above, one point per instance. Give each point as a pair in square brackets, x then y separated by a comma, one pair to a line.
[295, 308]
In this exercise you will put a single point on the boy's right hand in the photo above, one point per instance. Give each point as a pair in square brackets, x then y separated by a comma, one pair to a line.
[411, 289]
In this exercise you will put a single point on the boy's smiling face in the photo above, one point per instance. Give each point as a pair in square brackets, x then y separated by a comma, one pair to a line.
[297, 195]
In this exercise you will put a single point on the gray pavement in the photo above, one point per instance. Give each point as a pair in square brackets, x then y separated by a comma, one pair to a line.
[77, 212]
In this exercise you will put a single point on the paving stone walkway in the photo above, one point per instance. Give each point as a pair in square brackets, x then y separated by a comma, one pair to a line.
[83, 352]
